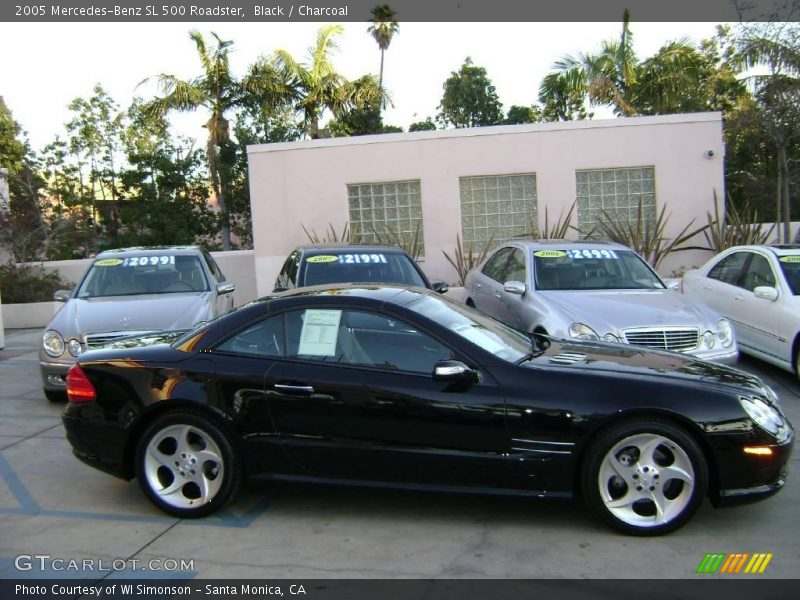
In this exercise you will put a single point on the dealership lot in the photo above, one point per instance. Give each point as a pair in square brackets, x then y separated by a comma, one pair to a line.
[51, 504]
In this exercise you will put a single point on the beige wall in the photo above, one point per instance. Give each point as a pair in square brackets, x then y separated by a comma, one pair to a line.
[306, 182]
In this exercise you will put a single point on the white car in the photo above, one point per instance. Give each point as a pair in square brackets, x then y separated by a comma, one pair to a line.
[756, 288]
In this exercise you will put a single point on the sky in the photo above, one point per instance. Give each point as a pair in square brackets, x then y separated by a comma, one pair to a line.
[46, 65]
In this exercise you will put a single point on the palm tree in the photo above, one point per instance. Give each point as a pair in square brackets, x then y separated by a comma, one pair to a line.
[319, 86]
[775, 47]
[383, 29]
[615, 76]
[216, 90]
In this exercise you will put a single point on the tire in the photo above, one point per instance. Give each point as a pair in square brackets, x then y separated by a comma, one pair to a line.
[470, 303]
[55, 397]
[187, 465]
[644, 477]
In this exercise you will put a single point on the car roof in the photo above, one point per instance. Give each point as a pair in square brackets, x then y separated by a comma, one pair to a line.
[381, 292]
[576, 244]
[150, 250]
[776, 249]
[340, 246]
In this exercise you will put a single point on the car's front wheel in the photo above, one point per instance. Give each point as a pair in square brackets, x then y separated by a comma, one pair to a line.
[645, 477]
[187, 465]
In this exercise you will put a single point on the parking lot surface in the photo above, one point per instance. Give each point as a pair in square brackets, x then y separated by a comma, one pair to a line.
[51, 504]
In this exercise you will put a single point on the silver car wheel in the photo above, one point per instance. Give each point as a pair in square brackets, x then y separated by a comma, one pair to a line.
[646, 480]
[184, 466]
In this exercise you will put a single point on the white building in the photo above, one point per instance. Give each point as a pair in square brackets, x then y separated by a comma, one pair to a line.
[484, 182]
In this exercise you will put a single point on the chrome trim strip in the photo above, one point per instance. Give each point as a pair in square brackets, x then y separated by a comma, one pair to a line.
[542, 451]
[540, 442]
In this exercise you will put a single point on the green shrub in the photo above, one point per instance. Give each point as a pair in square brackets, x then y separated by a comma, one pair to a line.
[26, 283]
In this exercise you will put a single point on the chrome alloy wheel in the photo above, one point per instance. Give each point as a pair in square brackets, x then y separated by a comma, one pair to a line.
[646, 480]
[183, 466]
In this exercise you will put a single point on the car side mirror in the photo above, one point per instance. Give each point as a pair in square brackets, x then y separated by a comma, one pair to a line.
[61, 295]
[226, 287]
[673, 283]
[454, 371]
[440, 287]
[279, 288]
[766, 292]
[515, 287]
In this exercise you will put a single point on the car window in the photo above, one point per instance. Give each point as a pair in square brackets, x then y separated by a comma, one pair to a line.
[288, 275]
[515, 267]
[593, 269]
[790, 265]
[213, 266]
[729, 269]
[352, 266]
[495, 266]
[144, 274]
[353, 337]
[758, 273]
[265, 338]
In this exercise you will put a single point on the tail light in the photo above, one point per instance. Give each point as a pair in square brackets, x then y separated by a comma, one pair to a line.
[79, 389]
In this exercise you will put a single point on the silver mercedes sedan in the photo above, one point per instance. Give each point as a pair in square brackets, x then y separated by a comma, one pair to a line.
[131, 291]
[594, 291]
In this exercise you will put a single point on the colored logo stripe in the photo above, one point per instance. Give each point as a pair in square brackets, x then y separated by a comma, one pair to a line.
[758, 564]
[711, 563]
[720, 562]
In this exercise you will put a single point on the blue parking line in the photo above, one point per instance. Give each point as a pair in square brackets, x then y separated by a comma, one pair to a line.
[21, 494]
[29, 506]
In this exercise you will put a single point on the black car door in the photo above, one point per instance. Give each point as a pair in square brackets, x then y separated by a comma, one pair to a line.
[356, 399]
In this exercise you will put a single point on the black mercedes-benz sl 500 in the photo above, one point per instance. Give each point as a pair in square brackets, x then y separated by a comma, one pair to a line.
[364, 385]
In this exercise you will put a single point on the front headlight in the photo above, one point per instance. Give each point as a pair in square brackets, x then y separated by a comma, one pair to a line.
[764, 415]
[610, 337]
[580, 331]
[709, 339]
[725, 333]
[53, 343]
[75, 348]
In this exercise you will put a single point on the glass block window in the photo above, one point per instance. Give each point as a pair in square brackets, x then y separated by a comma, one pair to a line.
[496, 207]
[618, 193]
[391, 210]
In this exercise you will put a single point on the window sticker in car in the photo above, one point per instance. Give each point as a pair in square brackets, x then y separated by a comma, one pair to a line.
[144, 261]
[790, 259]
[593, 253]
[362, 259]
[108, 262]
[550, 254]
[319, 333]
[323, 258]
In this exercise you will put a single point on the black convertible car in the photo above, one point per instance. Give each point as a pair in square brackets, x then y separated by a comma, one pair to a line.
[403, 387]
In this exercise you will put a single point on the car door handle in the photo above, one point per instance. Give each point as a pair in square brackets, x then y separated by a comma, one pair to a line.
[478, 285]
[498, 295]
[738, 298]
[707, 288]
[293, 389]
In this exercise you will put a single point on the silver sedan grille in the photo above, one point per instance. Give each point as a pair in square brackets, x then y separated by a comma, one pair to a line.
[97, 340]
[674, 339]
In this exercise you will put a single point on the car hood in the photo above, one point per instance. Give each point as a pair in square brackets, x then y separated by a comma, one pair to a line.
[612, 310]
[630, 360]
[133, 313]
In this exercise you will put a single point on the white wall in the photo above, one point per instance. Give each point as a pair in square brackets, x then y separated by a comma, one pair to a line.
[306, 182]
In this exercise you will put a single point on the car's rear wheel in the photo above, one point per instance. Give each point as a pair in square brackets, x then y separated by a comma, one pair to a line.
[645, 477]
[187, 465]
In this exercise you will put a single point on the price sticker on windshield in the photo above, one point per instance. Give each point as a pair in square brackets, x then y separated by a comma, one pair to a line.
[323, 258]
[148, 261]
[550, 254]
[362, 259]
[790, 259]
[108, 262]
[593, 253]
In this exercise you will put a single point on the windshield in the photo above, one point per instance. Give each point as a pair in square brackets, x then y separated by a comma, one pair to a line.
[349, 267]
[492, 336]
[143, 274]
[593, 269]
[790, 265]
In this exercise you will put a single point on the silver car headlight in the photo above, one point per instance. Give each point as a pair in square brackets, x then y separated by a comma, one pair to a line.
[709, 340]
[610, 337]
[75, 348]
[764, 415]
[725, 333]
[580, 331]
[53, 343]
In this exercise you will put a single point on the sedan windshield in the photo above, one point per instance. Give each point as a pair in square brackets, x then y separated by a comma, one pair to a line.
[146, 274]
[492, 336]
[357, 267]
[593, 269]
[790, 265]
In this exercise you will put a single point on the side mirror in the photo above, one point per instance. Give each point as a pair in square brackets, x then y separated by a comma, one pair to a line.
[674, 283]
[454, 371]
[278, 288]
[440, 287]
[515, 287]
[766, 292]
[226, 287]
[61, 295]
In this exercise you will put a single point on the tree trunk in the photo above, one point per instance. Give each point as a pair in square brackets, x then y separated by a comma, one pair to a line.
[778, 194]
[784, 168]
[219, 191]
[380, 78]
